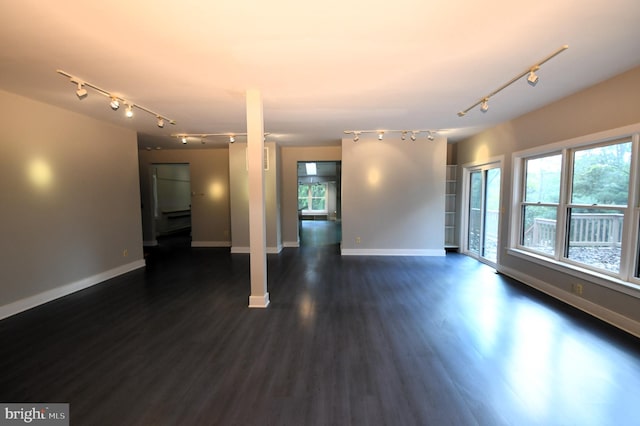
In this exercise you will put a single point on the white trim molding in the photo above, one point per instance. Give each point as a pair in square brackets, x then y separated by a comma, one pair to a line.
[247, 250]
[295, 244]
[274, 250]
[210, 243]
[606, 315]
[240, 250]
[393, 252]
[66, 289]
[259, 301]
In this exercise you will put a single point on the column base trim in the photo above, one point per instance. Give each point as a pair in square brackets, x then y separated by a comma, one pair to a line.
[259, 301]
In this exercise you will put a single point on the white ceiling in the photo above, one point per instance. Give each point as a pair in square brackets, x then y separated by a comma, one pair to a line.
[322, 68]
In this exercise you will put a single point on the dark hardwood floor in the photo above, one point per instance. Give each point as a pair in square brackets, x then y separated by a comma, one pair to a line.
[346, 341]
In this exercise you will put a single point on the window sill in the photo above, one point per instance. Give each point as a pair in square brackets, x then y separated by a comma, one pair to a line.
[604, 280]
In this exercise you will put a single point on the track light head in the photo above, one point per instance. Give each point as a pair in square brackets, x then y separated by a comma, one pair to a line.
[160, 122]
[356, 136]
[380, 135]
[430, 135]
[484, 106]
[404, 135]
[232, 139]
[533, 78]
[81, 92]
[184, 140]
[413, 136]
[129, 111]
[114, 104]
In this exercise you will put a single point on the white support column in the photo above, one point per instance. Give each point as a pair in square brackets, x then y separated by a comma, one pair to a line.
[259, 297]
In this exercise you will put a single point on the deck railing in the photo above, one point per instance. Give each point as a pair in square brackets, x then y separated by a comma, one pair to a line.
[586, 229]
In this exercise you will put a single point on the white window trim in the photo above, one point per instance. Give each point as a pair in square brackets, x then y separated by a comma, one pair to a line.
[625, 281]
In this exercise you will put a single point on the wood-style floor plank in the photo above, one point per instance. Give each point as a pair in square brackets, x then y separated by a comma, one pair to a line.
[345, 341]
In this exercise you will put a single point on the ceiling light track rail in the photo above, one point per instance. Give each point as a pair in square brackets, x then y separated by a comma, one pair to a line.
[115, 100]
[532, 79]
[184, 137]
[413, 134]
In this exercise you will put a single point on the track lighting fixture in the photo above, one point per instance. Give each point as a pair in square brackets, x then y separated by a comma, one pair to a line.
[232, 136]
[381, 133]
[532, 79]
[81, 92]
[484, 106]
[114, 100]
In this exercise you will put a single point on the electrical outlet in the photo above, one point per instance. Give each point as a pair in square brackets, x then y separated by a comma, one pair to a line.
[358, 240]
[576, 288]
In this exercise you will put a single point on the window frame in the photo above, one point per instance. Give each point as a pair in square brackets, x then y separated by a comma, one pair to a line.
[523, 203]
[629, 273]
[310, 198]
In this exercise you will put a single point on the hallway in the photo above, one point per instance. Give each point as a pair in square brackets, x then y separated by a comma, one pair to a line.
[318, 233]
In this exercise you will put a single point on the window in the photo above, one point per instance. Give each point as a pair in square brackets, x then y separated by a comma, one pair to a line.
[540, 204]
[574, 206]
[599, 195]
[312, 197]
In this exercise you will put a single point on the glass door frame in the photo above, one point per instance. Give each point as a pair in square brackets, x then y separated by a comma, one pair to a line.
[467, 170]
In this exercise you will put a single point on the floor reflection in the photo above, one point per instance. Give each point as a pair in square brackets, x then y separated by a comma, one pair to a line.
[318, 233]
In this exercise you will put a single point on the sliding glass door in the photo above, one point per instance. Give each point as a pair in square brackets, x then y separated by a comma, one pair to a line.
[483, 212]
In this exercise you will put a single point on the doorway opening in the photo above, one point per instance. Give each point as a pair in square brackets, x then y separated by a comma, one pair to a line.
[482, 221]
[319, 203]
[171, 192]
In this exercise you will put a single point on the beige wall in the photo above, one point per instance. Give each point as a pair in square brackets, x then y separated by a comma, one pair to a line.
[239, 190]
[70, 202]
[393, 196]
[209, 168]
[611, 104]
[289, 180]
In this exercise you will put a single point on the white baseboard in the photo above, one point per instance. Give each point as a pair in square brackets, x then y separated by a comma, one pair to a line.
[259, 301]
[606, 315]
[247, 250]
[240, 250]
[210, 243]
[66, 289]
[291, 244]
[274, 250]
[392, 252]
